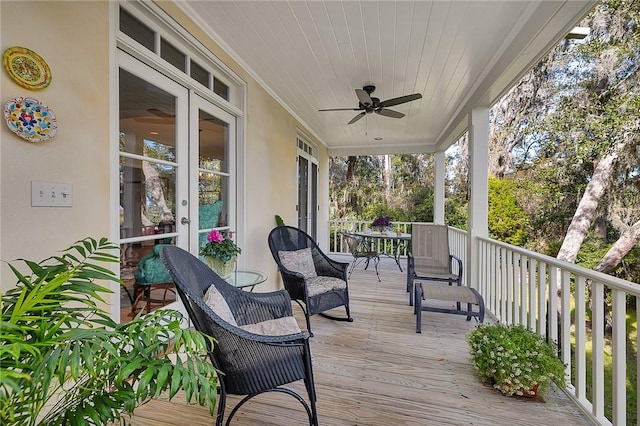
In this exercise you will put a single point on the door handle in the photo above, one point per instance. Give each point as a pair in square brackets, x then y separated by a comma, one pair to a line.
[185, 221]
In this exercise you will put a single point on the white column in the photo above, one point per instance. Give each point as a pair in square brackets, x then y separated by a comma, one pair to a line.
[438, 188]
[479, 189]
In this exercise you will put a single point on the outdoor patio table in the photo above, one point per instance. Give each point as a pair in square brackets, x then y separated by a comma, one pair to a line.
[246, 279]
[398, 240]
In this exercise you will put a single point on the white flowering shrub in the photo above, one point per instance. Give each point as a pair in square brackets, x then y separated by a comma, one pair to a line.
[515, 360]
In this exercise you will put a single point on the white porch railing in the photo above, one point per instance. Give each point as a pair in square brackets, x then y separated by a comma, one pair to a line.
[553, 298]
[389, 247]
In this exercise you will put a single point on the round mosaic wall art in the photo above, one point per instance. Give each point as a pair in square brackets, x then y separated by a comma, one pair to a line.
[26, 68]
[29, 119]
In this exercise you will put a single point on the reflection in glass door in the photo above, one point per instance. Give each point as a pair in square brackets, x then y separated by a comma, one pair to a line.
[176, 169]
[213, 159]
[153, 115]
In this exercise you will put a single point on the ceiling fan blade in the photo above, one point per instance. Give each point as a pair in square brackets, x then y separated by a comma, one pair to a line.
[400, 100]
[389, 113]
[357, 117]
[363, 97]
[341, 109]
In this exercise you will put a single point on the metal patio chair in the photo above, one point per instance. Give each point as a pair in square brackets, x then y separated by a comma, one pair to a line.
[431, 261]
[360, 252]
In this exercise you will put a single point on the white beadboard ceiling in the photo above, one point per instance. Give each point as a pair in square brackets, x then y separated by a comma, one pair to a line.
[312, 55]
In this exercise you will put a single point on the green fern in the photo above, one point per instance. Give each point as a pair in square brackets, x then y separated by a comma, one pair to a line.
[64, 361]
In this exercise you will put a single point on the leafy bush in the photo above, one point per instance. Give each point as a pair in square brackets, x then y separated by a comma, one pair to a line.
[64, 361]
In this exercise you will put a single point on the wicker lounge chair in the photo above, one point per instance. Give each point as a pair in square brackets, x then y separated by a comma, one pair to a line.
[316, 282]
[431, 260]
[251, 362]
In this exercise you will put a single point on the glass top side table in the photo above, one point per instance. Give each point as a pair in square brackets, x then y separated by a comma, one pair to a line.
[246, 278]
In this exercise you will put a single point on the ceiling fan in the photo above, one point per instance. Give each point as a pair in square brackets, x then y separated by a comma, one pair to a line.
[368, 104]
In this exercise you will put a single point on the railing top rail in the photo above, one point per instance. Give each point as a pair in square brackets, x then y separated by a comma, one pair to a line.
[616, 282]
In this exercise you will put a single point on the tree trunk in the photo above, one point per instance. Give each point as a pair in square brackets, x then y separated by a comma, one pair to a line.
[387, 178]
[629, 238]
[611, 259]
[585, 213]
[586, 210]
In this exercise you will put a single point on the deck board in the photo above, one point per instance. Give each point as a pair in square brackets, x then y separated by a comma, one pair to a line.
[376, 371]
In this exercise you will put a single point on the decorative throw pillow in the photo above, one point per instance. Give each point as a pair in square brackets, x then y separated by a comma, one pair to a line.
[216, 302]
[274, 327]
[299, 261]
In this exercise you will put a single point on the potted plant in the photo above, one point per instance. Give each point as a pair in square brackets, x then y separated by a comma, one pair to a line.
[382, 223]
[64, 361]
[220, 252]
[515, 360]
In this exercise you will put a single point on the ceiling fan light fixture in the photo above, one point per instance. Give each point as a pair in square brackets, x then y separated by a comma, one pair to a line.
[368, 104]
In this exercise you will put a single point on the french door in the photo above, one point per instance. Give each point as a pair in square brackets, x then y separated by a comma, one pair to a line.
[176, 163]
[308, 195]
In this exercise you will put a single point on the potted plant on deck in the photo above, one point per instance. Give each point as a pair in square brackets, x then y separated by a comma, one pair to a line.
[220, 252]
[382, 223]
[515, 360]
[64, 361]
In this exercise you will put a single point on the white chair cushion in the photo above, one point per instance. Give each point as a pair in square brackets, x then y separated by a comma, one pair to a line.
[320, 284]
[274, 327]
[216, 302]
[299, 261]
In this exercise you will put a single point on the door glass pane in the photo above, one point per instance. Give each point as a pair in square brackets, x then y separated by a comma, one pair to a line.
[147, 198]
[147, 118]
[213, 143]
[147, 179]
[213, 179]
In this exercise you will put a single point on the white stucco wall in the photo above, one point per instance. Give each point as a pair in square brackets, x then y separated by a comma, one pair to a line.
[73, 38]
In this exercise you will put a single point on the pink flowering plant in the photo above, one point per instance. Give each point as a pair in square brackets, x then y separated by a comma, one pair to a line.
[220, 246]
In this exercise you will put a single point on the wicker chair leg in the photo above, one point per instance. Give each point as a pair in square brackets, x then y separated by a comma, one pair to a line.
[222, 401]
[306, 317]
[310, 413]
[331, 317]
[309, 383]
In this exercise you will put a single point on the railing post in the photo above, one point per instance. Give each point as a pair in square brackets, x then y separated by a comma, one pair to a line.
[620, 356]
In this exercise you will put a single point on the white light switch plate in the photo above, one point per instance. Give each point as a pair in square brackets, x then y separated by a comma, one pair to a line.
[51, 194]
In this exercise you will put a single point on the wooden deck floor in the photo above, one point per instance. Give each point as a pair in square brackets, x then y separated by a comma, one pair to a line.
[377, 371]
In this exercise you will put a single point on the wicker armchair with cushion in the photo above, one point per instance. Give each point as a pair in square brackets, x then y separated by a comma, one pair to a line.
[315, 281]
[259, 347]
